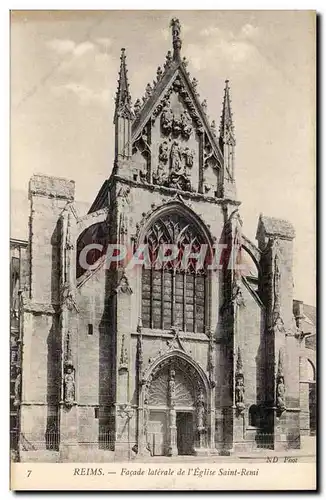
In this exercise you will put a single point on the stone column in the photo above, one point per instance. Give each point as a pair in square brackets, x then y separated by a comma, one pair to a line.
[211, 397]
[275, 241]
[239, 404]
[201, 427]
[123, 411]
[173, 449]
[69, 340]
[232, 301]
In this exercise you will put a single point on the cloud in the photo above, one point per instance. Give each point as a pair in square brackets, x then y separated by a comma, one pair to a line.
[237, 52]
[247, 31]
[104, 42]
[65, 47]
[217, 44]
[210, 31]
[82, 48]
[85, 94]
[250, 31]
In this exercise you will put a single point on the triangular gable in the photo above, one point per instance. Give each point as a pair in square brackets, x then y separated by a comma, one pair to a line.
[153, 106]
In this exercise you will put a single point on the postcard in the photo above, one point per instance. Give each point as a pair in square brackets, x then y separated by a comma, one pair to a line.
[163, 302]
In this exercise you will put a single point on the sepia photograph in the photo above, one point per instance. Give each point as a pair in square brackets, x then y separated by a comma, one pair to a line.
[163, 246]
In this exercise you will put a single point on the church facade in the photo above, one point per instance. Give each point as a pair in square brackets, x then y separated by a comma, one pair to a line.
[120, 356]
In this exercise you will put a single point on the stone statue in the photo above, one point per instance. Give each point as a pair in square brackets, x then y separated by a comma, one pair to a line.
[194, 83]
[148, 90]
[189, 157]
[239, 391]
[280, 393]
[176, 126]
[186, 125]
[172, 388]
[169, 59]
[176, 28]
[163, 155]
[204, 106]
[137, 106]
[160, 176]
[175, 157]
[69, 386]
[166, 119]
[200, 410]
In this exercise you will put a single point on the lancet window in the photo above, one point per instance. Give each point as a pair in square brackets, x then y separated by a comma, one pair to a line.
[174, 293]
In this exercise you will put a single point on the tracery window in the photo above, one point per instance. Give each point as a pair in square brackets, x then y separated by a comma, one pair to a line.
[172, 293]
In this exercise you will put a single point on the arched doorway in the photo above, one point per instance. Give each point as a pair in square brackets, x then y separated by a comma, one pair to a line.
[175, 409]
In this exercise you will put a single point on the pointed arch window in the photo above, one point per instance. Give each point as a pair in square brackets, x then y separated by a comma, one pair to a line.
[174, 294]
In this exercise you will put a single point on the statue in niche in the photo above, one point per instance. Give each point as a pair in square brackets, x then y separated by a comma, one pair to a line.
[239, 384]
[166, 119]
[176, 127]
[189, 157]
[200, 410]
[175, 156]
[186, 126]
[161, 175]
[123, 356]
[69, 385]
[239, 392]
[280, 394]
[280, 386]
[163, 155]
[172, 388]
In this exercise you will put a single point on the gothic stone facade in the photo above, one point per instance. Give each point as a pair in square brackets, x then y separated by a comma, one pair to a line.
[158, 362]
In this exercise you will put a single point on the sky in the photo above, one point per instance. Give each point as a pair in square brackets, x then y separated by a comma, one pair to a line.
[64, 69]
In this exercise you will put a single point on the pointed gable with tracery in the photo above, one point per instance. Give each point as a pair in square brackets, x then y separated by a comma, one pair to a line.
[173, 142]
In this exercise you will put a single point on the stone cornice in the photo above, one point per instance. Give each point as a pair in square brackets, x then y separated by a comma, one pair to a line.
[167, 191]
[149, 333]
[40, 308]
[52, 187]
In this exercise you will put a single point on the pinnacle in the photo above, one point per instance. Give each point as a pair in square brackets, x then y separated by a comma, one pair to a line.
[123, 98]
[226, 124]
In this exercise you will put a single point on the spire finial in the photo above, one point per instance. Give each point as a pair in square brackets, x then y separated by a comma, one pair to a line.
[176, 39]
[123, 99]
[226, 125]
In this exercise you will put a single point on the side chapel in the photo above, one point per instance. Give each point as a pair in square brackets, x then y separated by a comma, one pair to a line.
[158, 361]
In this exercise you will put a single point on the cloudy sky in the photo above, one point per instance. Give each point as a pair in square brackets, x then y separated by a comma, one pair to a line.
[64, 68]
